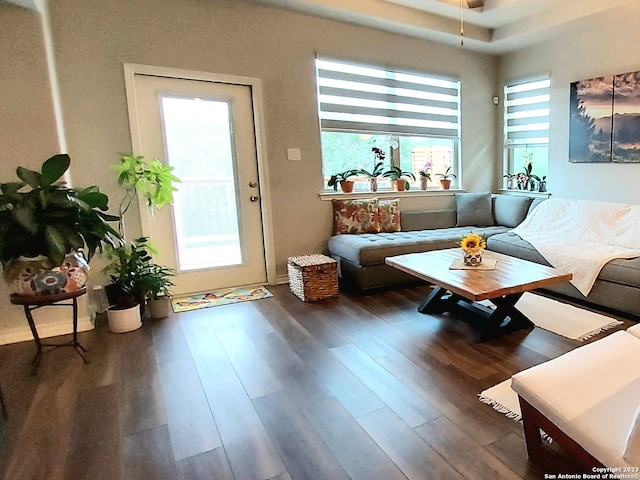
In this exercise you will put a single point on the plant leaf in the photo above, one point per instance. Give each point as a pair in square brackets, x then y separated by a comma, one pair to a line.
[56, 244]
[30, 177]
[54, 168]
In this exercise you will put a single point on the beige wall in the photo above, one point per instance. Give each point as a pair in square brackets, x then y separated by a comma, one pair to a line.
[28, 136]
[93, 39]
[592, 53]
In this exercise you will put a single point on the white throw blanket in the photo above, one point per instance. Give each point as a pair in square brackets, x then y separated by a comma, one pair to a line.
[581, 236]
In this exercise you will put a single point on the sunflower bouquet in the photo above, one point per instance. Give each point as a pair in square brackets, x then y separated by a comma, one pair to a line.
[473, 243]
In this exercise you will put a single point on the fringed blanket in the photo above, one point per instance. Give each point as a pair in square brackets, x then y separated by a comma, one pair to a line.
[581, 236]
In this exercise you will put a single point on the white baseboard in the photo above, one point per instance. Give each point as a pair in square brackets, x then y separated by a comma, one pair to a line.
[282, 279]
[50, 329]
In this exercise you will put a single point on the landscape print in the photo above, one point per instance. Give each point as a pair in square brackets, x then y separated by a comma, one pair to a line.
[626, 118]
[605, 119]
[591, 109]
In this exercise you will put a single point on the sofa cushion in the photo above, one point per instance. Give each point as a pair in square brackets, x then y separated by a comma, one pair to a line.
[372, 249]
[355, 216]
[389, 215]
[428, 220]
[510, 210]
[474, 209]
[587, 395]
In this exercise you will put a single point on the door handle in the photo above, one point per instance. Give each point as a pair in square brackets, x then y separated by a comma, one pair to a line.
[254, 198]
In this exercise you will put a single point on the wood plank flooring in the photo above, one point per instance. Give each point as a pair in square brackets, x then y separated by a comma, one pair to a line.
[360, 387]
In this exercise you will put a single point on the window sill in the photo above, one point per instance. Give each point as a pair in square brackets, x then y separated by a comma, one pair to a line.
[436, 192]
[525, 193]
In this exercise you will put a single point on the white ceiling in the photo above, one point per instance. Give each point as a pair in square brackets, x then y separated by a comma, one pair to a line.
[500, 26]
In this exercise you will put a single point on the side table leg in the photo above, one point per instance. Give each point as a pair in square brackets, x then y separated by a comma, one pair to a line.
[36, 337]
[76, 344]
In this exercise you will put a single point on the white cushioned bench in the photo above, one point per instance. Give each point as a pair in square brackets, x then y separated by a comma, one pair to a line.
[587, 400]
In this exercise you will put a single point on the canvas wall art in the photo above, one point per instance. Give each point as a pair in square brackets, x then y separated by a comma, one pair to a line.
[605, 119]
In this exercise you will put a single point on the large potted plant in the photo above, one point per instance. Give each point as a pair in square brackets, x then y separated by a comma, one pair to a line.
[130, 265]
[48, 228]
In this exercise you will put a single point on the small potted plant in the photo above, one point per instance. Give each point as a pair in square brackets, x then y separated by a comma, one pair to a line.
[395, 174]
[378, 168]
[425, 175]
[527, 179]
[157, 281]
[512, 180]
[342, 178]
[445, 178]
[47, 229]
[127, 268]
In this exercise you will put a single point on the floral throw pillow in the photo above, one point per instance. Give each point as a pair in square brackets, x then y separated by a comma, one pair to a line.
[355, 216]
[389, 215]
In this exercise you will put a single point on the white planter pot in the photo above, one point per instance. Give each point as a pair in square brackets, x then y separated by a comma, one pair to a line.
[126, 320]
[160, 307]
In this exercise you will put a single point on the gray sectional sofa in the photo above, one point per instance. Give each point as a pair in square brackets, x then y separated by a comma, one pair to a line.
[361, 257]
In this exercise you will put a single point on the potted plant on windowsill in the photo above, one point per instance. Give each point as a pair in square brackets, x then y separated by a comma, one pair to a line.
[378, 168]
[47, 228]
[342, 178]
[512, 180]
[445, 178]
[395, 174]
[425, 175]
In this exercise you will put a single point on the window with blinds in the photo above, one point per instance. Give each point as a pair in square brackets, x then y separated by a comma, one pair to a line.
[413, 118]
[526, 133]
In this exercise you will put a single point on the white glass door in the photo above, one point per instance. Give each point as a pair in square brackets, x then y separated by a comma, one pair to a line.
[213, 233]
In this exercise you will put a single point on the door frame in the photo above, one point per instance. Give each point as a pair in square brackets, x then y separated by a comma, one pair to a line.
[255, 86]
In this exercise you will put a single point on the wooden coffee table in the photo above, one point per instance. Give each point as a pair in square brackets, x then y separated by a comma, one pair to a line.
[458, 290]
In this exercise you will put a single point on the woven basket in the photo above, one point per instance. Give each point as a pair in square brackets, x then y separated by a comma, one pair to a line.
[313, 277]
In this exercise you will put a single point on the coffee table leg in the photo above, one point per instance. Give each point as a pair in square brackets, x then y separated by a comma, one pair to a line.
[434, 302]
[497, 324]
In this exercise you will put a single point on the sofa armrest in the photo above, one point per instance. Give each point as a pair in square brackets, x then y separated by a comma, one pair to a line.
[427, 220]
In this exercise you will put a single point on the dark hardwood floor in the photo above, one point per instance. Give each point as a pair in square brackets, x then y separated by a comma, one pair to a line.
[360, 387]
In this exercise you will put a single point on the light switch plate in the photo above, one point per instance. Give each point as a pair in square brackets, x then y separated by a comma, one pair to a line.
[294, 155]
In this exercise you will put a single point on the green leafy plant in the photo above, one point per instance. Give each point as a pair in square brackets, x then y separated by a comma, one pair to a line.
[509, 175]
[127, 268]
[447, 175]
[157, 281]
[40, 215]
[149, 178]
[378, 170]
[335, 179]
[395, 173]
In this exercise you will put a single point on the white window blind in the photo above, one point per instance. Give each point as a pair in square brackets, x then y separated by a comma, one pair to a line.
[527, 113]
[371, 99]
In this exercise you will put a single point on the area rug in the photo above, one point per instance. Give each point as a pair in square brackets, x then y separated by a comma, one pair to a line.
[505, 400]
[564, 319]
[561, 318]
[215, 299]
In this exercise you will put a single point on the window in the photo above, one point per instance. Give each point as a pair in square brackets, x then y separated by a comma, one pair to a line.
[526, 120]
[414, 118]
